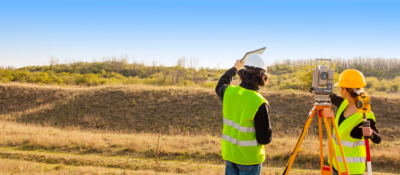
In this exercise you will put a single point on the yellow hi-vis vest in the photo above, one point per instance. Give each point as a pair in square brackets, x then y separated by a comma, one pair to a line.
[354, 149]
[239, 143]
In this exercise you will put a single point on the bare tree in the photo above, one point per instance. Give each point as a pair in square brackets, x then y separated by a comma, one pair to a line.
[193, 63]
[54, 61]
[153, 66]
[181, 62]
[7, 67]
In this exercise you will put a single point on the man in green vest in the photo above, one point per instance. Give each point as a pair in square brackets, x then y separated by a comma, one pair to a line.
[245, 116]
[349, 122]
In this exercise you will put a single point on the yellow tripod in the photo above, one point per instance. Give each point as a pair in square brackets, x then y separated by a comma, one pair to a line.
[324, 112]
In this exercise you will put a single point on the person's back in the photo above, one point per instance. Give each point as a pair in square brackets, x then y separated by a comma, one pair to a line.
[245, 116]
[239, 141]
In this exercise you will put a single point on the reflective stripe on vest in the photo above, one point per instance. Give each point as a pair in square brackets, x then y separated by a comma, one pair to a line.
[238, 127]
[353, 159]
[239, 143]
[348, 143]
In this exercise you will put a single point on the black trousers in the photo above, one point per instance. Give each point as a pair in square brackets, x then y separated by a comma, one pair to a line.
[336, 173]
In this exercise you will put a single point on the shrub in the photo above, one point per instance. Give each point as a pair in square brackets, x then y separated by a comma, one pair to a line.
[115, 75]
[150, 81]
[39, 77]
[216, 76]
[395, 87]
[209, 85]
[131, 80]
[21, 75]
[372, 82]
[6, 75]
[87, 79]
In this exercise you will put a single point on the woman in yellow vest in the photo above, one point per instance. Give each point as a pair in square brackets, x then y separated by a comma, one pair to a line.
[246, 125]
[349, 123]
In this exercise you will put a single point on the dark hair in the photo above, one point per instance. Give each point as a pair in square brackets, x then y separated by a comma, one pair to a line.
[352, 93]
[255, 79]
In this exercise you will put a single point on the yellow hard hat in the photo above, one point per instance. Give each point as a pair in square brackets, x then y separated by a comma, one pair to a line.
[351, 78]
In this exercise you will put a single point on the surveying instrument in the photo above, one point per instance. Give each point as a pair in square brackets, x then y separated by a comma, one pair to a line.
[363, 105]
[322, 86]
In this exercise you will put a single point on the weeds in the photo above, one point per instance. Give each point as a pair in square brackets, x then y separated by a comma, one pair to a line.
[157, 154]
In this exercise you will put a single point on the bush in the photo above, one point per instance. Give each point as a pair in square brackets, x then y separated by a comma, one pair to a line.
[115, 75]
[291, 85]
[66, 78]
[216, 77]
[108, 81]
[39, 78]
[186, 83]
[6, 75]
[209, 85]
[132, 80]
[87, 79]
[21, 75]
[372, 83]
[384, 85]
[150, 81]
[395, 87]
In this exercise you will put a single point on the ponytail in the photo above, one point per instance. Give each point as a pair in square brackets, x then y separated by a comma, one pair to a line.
[355, 92]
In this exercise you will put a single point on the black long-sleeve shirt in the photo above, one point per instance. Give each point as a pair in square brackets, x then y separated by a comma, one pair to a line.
[357, 132]
[261, 119]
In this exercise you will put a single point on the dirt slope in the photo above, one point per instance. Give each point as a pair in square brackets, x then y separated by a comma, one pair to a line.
[166, 109]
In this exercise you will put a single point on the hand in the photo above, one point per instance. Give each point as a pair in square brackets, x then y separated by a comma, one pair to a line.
[238, 65]
[367, 131]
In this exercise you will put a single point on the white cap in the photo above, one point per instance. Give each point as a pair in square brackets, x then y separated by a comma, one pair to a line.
[256, 61]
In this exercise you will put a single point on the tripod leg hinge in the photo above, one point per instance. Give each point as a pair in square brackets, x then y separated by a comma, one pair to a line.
[326, 170]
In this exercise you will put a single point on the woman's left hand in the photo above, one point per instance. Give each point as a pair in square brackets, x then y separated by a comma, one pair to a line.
[238, 64]
[367, 131]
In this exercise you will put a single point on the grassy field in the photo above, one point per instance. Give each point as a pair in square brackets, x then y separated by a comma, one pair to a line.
[155, 130]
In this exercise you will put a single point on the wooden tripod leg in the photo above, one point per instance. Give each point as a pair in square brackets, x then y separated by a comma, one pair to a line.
[341, 148]
[331, 145]
[299, 141]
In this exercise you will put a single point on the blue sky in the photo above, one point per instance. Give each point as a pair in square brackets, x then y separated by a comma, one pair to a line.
[215, 32]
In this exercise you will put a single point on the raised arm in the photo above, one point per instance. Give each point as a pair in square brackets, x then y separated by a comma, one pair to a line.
[226, 79]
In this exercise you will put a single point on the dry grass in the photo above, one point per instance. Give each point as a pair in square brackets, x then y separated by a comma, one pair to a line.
[177, 153]
[120, 123]
[30, 137]
[141, 108]
[17, 167]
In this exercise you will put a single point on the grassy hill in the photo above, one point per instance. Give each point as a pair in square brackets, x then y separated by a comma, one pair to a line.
[46, 124]
[153, 109]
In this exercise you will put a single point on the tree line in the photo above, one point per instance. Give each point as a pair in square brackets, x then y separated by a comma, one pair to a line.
[110, 71]
[370, 67]
[383, 75]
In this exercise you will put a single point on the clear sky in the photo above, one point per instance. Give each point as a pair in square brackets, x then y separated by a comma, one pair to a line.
[214, 31]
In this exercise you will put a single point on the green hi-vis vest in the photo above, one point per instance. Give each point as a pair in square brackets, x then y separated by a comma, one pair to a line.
[354, 149]
[239, 143]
